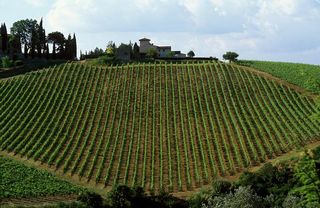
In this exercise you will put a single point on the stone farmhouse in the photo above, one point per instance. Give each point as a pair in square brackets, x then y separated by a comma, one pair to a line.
[163, 51]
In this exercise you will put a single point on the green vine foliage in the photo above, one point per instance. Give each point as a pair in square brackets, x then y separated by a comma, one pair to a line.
[308, 186]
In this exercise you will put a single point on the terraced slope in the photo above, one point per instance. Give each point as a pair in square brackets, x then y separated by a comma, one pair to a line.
[172, 127]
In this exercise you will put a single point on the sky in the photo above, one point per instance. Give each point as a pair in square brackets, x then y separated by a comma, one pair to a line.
[277, 30]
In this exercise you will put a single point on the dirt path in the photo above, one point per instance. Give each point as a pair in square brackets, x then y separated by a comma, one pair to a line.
[37, 202]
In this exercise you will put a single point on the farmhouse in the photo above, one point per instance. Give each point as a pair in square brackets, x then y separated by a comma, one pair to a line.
[162, 51]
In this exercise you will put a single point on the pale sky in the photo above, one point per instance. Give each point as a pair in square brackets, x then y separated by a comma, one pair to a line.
[278, 30]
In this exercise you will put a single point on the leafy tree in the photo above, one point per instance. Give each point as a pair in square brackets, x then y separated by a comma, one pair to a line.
[25, 29]
[170, 54]
[242, 197]
[291, 202]
[110, 52]
[191, 54]
[91, 199]
[14, 44]
[34, 39]
[230, 56]
[111, 49]
[152, 53]
[58, 40]
[121, 197]
[308, 182]
[4, 38]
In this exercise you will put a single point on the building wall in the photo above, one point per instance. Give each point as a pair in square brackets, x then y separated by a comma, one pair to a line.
[145, 46]
[163, 51]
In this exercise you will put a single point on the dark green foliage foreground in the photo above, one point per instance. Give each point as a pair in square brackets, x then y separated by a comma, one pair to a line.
[18, 180]
[172, 127]
[304, 75]
[293, 183]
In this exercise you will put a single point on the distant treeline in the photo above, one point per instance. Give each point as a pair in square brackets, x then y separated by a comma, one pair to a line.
[31, 36]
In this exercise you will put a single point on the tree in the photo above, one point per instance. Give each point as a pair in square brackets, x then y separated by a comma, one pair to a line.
[41, 39]
[91, 199]
[34, 39]
[24, 30]
[170, 54]
[136, 51]
[47, 51]
[74, 47]
[308, 186]
[152, 53]
[121, 197]
[68, 48]
[230, 56]
[111, 49]
[4, 38]
[58, 40]
[54, 50]
[14, 44]
[242, 197]
[191, 54]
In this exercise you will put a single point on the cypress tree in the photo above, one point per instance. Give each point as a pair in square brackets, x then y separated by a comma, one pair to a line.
[74, 46]
[4, 38]
[136, 51]
[68, 50]
[39, 41]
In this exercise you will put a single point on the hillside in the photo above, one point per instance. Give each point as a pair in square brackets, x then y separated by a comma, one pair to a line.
[160, 126]
[304, 75]
[20, 181]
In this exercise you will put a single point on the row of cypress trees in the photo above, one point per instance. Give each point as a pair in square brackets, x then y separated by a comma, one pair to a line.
[38, 45]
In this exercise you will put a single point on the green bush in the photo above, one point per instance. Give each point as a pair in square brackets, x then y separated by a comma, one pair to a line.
[91, 199]
[6, 62]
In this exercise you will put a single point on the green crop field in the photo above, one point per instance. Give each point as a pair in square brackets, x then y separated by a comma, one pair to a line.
[160, 126]
[304, 75]
[18, 180]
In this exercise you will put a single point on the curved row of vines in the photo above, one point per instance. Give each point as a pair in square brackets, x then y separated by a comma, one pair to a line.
[161, 126]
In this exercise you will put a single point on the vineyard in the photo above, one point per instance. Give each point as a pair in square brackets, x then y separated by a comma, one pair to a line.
[304, 75]
[174, 127]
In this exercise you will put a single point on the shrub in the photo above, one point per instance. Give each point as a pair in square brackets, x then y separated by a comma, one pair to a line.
[242, 197]
[91, 199]
[6, 62]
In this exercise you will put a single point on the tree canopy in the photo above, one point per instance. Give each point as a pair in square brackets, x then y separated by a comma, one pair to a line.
[230, 56]
[152, 53]
[24, 30]
[191, 54]
[4, 38]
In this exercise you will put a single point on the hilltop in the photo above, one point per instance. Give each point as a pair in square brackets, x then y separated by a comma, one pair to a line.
[173, 127]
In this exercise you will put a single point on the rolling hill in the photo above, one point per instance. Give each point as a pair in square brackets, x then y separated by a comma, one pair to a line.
[160, 126]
